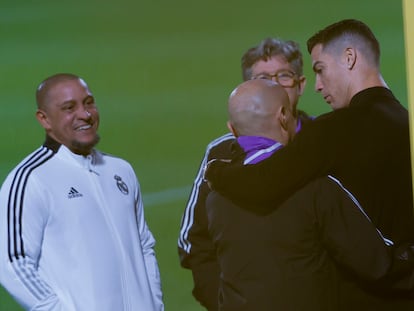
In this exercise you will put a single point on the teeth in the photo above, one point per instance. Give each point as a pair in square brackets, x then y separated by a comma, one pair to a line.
[85, 127]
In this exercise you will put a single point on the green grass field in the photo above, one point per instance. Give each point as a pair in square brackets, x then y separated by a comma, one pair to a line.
[161, 72]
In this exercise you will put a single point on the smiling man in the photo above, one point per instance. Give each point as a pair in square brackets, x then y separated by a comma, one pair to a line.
[72, 229]
[58, 100]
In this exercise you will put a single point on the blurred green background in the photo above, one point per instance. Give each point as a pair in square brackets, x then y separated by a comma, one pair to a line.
[161, 72]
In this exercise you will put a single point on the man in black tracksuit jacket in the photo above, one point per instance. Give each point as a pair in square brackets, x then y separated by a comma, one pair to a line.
[273, 59]
[364, 142]
[296, 258]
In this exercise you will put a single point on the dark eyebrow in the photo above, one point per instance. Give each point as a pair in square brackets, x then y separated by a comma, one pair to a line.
[72, 101]
[88, 98]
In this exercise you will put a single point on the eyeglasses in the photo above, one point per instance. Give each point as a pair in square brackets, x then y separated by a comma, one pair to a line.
[285, 78]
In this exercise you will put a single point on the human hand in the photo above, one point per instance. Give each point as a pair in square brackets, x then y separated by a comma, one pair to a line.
[209, 169]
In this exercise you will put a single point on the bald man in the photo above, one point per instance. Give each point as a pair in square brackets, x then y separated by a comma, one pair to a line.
[261, 108]
[73, 235]
[293, 258]
[273, 59]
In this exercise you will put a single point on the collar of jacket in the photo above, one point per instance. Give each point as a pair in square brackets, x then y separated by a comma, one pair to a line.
[88, 162]
[372, 95]
[51, 144]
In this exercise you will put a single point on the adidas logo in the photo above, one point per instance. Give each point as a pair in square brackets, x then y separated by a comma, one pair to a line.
[73, 193]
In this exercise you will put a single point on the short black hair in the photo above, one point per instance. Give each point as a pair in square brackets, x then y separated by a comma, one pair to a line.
[348, 29]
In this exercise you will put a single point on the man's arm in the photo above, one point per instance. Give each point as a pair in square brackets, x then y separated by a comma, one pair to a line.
[354, 242]
[148, 244]
[23, 216]
[195, 248]
[268, 183]
[198, 253]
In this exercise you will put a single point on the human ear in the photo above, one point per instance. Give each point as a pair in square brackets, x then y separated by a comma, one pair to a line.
[350, 57]
[283, 118]
[41, 116]
[231, 128]
[301, 84]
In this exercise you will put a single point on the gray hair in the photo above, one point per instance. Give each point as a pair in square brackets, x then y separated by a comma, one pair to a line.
[267, 49]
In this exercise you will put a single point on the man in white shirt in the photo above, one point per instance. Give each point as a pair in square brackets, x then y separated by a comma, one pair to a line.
[72, 229]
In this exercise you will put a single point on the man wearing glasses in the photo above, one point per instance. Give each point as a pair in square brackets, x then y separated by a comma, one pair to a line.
[273, 59]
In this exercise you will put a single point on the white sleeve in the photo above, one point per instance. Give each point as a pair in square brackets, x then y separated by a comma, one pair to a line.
[147, 244]
[23, 216]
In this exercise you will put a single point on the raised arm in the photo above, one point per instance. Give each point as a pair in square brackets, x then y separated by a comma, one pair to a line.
[268, 183]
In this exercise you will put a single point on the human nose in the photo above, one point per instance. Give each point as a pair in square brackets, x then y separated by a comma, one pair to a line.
[274, 78]
[318, 84]
[84, 112]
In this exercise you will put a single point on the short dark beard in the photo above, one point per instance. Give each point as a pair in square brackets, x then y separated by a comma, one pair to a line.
[84, 148]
